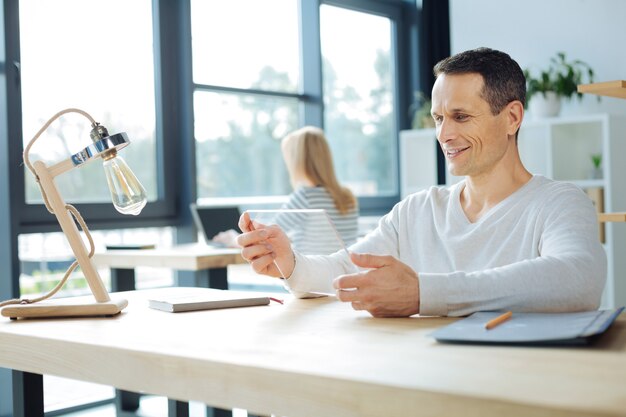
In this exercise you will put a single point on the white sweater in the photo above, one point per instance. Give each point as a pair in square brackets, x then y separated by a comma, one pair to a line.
[536, 251]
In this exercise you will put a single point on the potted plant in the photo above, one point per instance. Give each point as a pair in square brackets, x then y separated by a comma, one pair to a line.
[420, 112]
[596, 172]
[559, 80]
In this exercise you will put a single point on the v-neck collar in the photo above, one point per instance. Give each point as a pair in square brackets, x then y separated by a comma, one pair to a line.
[516, 195]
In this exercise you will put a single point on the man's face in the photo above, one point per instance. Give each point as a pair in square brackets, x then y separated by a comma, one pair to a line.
[473, 140]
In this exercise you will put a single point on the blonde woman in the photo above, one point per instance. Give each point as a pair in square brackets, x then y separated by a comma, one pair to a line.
[310, 165]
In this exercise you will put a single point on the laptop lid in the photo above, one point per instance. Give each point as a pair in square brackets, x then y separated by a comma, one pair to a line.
[210, 220]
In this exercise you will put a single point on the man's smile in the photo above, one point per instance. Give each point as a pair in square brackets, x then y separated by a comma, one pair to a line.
[452, 153]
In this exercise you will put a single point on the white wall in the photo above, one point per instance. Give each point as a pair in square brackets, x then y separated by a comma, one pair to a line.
[532, 31]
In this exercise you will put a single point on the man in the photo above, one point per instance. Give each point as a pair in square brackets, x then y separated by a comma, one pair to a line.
[500, 239]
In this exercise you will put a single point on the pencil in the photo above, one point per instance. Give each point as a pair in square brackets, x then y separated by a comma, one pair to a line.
[500, 319]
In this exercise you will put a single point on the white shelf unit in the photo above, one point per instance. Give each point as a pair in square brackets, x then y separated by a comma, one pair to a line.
[558, 148]
[418, 160]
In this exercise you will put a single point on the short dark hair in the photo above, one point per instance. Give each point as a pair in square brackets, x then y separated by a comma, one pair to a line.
[504, 79]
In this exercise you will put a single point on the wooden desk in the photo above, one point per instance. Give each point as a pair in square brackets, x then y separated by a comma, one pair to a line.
[319, 358]
[210, 267]
[209, 263]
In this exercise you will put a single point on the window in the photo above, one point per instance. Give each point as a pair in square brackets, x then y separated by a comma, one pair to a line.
[246, 44]
[246, 76]
[251, 65]
[232, 131]
[79, 54]
[359, 111]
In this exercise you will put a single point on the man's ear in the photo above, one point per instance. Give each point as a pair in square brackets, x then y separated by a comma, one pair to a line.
[515, 114]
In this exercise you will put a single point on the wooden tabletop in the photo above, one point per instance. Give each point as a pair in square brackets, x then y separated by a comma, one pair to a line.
[319, 358]
[190, 257]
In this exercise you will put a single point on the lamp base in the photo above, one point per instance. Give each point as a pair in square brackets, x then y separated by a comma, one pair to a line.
[64, 307]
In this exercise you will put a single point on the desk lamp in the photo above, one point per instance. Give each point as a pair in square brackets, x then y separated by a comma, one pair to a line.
[128, 196]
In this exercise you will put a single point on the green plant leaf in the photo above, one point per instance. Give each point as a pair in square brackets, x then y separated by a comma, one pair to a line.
[562, 77]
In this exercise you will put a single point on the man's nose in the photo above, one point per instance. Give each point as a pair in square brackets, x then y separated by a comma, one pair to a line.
[446, 130]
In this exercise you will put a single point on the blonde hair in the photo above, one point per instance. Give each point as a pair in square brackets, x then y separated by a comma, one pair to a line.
[308, 157]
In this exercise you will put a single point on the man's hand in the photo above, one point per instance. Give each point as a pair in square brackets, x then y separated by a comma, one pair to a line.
[389, 289]
[266, 248]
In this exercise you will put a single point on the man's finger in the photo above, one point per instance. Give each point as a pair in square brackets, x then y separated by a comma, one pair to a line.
[343, 282]
[366, 260]
[250, 253]
[245, 224]
[347, 295]
[358, 306]
[251, 238]
[263, 264]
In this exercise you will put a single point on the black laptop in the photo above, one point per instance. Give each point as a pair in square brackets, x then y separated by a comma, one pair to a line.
[210, 220]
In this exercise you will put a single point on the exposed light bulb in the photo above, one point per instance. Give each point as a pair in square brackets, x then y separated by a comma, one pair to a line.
[127, 193]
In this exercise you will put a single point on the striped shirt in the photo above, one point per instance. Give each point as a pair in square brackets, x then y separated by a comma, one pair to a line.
[310, 233]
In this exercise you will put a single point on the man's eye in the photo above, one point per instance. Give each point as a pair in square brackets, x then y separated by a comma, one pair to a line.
[437, 118]
[460, 117]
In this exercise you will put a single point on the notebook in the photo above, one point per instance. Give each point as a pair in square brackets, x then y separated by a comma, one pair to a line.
[206, 299]
[529, 328]
[210, 220]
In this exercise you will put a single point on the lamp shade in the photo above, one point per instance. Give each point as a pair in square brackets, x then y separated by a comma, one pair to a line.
[100, 147]
[127, 193]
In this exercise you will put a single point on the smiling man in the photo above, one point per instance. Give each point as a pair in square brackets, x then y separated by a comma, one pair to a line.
[500, 239]
[478, 105]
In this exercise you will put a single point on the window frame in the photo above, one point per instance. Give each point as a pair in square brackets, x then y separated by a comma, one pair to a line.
[35, 217]
[310, 95]
[174, 109]
[393, 10]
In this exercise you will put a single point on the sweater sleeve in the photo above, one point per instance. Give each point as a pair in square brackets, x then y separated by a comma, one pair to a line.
[568, 275]
[315, 274]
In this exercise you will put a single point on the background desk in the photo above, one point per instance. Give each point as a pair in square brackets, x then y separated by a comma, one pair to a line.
[319, 358]
[209, 264]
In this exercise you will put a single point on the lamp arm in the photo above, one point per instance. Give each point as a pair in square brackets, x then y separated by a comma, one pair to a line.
[45, 127]
[67, 216]
[64, 213]
[92, 277]
[74, 212]
[26, 154]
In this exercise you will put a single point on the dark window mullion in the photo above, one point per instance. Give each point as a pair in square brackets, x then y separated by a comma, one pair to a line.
[312, 111]
[386, 8]
[234, 90]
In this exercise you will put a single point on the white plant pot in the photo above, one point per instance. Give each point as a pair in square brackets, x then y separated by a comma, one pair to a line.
[545, 105]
